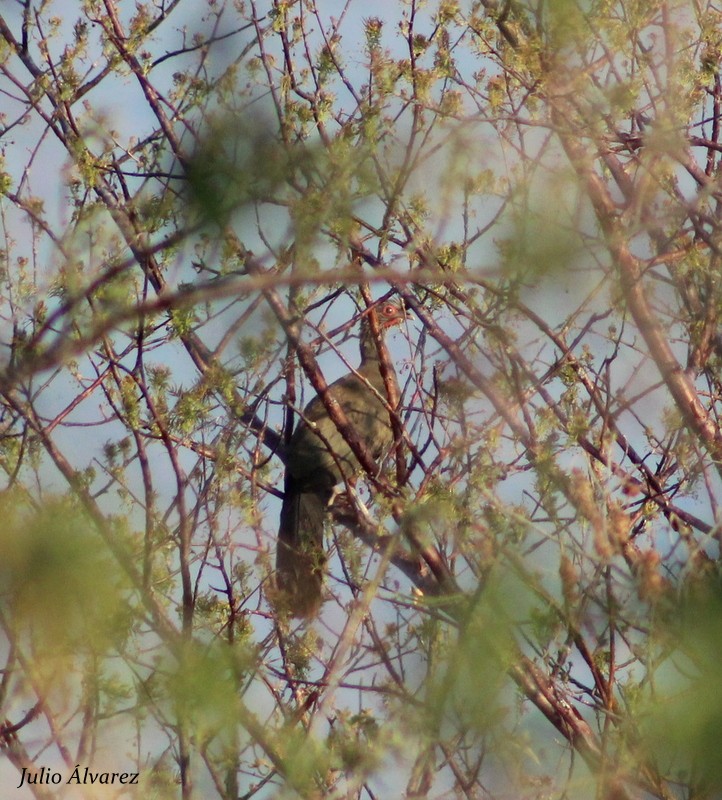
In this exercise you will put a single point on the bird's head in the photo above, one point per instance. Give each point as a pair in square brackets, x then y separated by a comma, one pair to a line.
[389, 313]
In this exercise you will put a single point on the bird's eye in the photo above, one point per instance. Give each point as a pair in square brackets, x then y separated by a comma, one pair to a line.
[390, 310]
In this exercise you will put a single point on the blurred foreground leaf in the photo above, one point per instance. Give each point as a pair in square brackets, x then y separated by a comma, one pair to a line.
[683, 729]
[58, 579]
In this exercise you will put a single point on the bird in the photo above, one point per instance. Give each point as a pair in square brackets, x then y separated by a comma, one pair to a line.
[318, 458]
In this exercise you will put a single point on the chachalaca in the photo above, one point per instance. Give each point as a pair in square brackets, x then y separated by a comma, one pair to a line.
[318, 458]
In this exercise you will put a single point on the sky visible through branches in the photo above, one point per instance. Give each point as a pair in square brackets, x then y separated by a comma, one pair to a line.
[199, 201]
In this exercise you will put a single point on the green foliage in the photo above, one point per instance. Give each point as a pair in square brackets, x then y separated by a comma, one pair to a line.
[201, 683]
[682, 717]
[470, 682]
[232, 167]
[59, 580]
[544, 239]
[236, 167]
[6, 181]
[355, 742]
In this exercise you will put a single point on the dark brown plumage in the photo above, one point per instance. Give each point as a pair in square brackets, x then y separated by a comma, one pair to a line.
[318, 458]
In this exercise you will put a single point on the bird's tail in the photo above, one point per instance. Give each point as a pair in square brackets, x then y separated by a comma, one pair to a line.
[300, 557]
